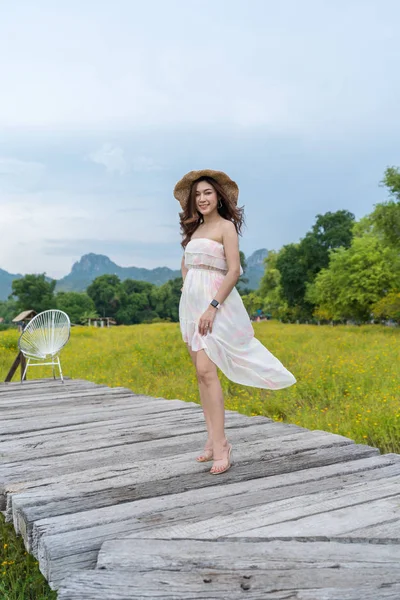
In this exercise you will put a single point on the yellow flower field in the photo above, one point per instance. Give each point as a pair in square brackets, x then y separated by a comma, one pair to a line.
[348, 377]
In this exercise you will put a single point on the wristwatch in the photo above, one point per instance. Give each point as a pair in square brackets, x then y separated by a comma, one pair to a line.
[215, 303]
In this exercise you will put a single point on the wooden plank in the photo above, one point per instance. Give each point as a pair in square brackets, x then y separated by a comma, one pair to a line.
[119, 434]
[40, 403]
[382, 514]
[282, 518]
[381, 592]
[20, 439]
[142, 433]
[143, 430]
[72, 542]
[11, 451]
[173, 507]
[201, 584]
[97, 488]
[77, 461]
[43, 402]
[111, 411]
[389, 529]
[95, 406]
[27, 387]
[80, 461]
[186, 555]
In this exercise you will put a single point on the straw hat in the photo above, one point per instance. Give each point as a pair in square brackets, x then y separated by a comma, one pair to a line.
[182, 188]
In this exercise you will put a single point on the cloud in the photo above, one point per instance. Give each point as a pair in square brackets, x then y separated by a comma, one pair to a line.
[115, 160]
[260, 64]
[111, 157]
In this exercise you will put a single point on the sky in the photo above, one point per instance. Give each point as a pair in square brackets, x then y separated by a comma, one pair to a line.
[105, 105]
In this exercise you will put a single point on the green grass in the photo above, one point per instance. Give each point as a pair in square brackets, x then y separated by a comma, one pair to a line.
[348, 383]
[20, 578]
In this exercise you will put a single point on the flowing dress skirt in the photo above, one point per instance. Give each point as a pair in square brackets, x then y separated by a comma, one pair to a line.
[231, 345]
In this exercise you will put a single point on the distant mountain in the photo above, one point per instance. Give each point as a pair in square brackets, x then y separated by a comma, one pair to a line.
[6, 280]
[92, 265]
[255, 268]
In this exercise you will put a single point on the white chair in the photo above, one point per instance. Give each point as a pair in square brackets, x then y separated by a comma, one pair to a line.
[43, 338]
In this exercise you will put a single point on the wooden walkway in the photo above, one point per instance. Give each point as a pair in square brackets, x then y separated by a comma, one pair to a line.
[103, 486]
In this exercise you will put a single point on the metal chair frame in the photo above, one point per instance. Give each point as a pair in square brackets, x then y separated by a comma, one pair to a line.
[43, 339]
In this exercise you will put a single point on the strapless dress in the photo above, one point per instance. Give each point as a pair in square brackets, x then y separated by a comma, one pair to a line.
[231, 345]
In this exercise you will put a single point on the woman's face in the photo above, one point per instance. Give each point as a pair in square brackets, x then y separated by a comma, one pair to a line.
[206, 198]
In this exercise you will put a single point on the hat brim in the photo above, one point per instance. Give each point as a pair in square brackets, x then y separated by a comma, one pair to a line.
[183, 187]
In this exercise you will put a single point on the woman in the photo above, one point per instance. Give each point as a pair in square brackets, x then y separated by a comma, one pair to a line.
[213, 320]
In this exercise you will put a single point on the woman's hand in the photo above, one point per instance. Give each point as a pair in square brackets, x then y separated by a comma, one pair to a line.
[206, 321]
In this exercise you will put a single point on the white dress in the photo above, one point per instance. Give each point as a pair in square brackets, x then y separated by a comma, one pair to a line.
[231, 345]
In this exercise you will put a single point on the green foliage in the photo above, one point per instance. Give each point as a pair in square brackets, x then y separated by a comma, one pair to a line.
[298, 264]
[330, 231]
[356, 279]
[34, 292]
[271, 291]
[76, 305]
[166, 299]
[252, 302]
[131, 302]
[388, 307]
[271, 279]
[386, 215]
[107, 294]
[242, 279]
[293, 274]
[20, 578]
[88, 314]
[391, 180]
[8, 310]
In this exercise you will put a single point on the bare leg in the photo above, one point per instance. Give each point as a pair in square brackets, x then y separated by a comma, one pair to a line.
[207, 455]
[213, 399]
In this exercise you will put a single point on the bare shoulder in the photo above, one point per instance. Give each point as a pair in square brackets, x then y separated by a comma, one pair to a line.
[229, 230]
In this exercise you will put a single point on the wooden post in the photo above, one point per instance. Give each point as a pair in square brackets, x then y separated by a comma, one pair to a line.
[23, 365]
[20, 360]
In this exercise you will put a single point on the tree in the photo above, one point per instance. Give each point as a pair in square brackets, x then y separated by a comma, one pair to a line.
[34, 292]
[391, 180]
[8, 310]
[75, 305]
[166, 299]
[107, 294]
[388, 307]
[270, 288]
[357, 278]
[293, 275]
[386, 215]
[300, 263]
[89, 314]
[252, 303]
[272, 277]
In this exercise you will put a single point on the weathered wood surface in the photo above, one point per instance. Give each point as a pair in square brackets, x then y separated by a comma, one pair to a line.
[117, 585]
[87, 469]
[191, 569]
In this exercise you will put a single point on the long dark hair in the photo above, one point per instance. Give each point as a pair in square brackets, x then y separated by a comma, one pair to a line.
[191, 218]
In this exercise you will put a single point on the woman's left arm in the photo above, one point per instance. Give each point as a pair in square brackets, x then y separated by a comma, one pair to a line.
[231, 247]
